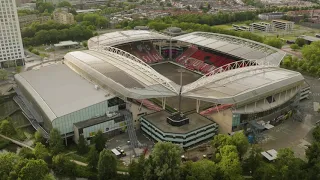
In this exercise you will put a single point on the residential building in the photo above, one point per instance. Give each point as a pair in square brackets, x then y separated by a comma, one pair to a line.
[63, 17]
[28, 19]
[261, 26]
[282, 25]
[11, 48]
[271, 16]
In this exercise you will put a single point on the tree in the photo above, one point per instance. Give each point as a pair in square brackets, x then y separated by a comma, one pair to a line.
[107, 165]
[38, 137]
[265, 171]
[26, 153]
[82, 145]
[49, 177]
[99, 141]
[221, 140]
[294, 47]
[241, 142]
[274, 42]
[300, 42]
[62, 165]
[64, 4]
[287, 62]
[93, 158]
[7, 164]
[136, 168]
[55, 141]
[34, 169]
[3, 74]
[229, 163]
[40, 151]
[253, 161]
[164, 162]
[316, 133]
[7, 128]
[202, 170]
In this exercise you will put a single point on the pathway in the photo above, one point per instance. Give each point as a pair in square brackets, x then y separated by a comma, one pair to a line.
[84, 164]
[16, 142]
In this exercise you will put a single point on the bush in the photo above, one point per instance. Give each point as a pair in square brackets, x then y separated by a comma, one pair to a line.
[34, 51]
[294, 46]
[274, 42]
[4, 143]
[30, 48]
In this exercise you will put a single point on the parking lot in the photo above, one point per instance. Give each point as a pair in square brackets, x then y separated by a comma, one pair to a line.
[294, 134]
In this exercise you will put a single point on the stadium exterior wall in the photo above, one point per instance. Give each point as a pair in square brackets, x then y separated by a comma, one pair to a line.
[65, 123]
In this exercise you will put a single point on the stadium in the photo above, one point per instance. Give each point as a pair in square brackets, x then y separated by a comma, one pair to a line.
[182, 89]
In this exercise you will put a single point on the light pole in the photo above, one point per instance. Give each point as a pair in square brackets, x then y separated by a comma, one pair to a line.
[181, 71]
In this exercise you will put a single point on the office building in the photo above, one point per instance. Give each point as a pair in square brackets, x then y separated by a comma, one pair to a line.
[11, 48]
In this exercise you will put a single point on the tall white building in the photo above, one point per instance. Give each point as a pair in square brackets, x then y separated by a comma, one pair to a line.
[11, 48]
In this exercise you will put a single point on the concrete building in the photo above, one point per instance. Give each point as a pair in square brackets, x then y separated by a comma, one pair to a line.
[174, 31]
[265, 27]
[282, 25]
[63, 17]
[11, 48]
[28, 19]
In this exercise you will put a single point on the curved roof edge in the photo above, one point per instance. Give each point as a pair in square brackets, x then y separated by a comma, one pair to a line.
[44, 106]
[123, 37]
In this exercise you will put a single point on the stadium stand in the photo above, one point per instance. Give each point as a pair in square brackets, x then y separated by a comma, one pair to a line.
[210, 58]
[148, 104]
[184, 56]
[144, 51]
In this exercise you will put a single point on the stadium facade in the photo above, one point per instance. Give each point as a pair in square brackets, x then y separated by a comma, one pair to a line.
[115, 87]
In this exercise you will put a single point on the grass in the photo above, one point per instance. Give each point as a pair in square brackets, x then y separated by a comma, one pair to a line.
[121, 167]
[77, 157]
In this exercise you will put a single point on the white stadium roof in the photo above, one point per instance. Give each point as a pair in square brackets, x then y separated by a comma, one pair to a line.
[121, 73]
[60, 91]
[235, 46]
[123, 37]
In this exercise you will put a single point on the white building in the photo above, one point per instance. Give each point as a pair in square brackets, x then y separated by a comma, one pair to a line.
[11, 49]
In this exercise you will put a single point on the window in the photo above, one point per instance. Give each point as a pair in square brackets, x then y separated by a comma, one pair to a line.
[270, 99]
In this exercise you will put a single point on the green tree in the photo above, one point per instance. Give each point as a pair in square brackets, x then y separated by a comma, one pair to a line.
[64, 4]
[7, 164]
[202, 170]
[164, 162]
[34, 169]
[49, 177]
[229, 163]
[26, 153]
[7, 128]
[274, 42]
[3, 74]
[82, 146]
[294, 47]
[221, 140]
[100, 141]
[93, 158]
[316, 133]
[40, 151]
[241, 142]
[107, 165]
[300, 42]
[55, 142]
[287, 62]
[62, 165]
[265, 171]
[253, 161]
[136, 168]
[38, 137]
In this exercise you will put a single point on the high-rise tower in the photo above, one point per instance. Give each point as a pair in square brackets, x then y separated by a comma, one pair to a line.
[11, 48]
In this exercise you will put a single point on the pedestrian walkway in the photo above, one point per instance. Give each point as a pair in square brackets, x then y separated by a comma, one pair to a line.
[16, 142]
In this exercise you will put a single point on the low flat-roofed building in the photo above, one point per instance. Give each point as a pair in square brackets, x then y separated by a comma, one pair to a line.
[63, 17]
[199, 129]
[310, 39]
[61, 97]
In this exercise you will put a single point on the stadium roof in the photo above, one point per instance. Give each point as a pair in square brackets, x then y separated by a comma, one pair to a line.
[122, 37]
[235, 46]
[121, 73]
[66, 43]
[242, 84]
[60, 91]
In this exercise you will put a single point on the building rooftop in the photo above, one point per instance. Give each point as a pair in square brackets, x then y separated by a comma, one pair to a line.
[159, 119]
[66, 43]
[241, 85]
[235, 46]
[122, 37]
[310, 38]
[60, 91]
